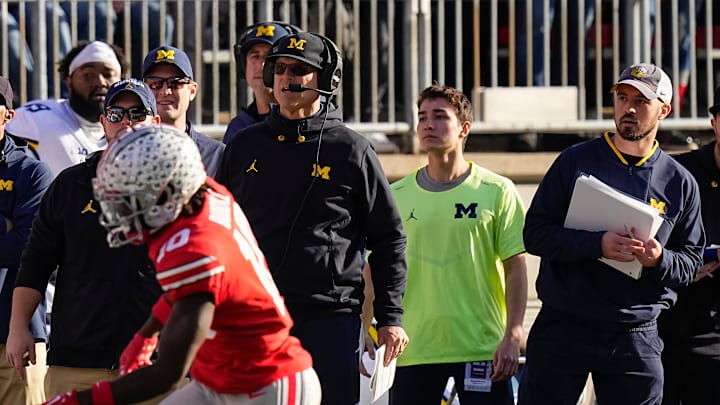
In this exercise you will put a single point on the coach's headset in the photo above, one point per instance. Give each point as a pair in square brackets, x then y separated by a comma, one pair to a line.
[266, 32]
[330, 73]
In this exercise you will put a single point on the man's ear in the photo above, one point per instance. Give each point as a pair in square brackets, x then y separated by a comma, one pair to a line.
[193, 90]
[465, 129]
[665, 111]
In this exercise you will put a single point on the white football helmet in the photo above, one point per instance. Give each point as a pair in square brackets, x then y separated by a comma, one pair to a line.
[143, 180]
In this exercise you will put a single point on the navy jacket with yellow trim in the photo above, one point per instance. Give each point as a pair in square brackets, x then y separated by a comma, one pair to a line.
[313, 222]
[23, 181]
[102, 295]
[571, 279]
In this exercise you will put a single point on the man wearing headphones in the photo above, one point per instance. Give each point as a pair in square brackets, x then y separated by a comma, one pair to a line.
[250, 53]
[316, 198]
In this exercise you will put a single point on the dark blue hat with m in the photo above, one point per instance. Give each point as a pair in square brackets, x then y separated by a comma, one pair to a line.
[171, 55]
[266, 32]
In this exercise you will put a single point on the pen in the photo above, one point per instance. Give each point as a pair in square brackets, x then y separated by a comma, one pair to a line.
[629, 232]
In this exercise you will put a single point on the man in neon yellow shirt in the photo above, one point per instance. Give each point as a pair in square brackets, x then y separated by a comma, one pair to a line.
[467, 281]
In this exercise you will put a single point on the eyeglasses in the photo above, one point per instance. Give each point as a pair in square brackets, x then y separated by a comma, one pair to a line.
[157, 83]
[296, 69]
[136, 114]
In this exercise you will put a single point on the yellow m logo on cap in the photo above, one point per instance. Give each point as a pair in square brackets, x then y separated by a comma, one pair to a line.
[163, 54]
[265, 31]
[298, 44]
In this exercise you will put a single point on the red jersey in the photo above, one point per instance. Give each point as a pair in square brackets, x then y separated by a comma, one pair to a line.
[249, 345]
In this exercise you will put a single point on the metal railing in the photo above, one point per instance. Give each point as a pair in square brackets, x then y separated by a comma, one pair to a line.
[392, 49]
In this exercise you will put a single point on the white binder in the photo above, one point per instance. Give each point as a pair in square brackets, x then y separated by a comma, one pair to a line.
[595, 206]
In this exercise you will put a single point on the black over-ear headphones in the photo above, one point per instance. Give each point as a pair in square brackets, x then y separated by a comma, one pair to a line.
[329, 76]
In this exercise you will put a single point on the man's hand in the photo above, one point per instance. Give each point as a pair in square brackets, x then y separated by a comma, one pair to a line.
[621, 247]
[137, 353]
[395, 339]
[505, 359]
[370, 349]
[652, 251]
[20, 350]
[8, 225]
[706, 270]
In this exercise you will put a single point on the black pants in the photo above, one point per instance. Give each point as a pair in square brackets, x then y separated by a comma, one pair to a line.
[691, 379]
[562, 351]
[425, 384]
[334, 344]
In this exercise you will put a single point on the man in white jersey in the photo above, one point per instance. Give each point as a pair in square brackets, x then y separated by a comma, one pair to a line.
[466, 286]
[63, 132]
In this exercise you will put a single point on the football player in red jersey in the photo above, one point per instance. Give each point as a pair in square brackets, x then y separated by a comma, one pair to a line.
[221, 315]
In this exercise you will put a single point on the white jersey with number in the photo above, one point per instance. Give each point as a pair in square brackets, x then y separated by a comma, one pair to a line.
[57, 135]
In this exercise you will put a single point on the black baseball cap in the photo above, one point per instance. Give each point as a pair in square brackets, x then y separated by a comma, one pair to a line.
[168, 54]
[303, 46]
[6, 93]
[135, 86]
[715, 108]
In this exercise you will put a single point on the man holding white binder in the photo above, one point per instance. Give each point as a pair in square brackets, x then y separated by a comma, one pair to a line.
[596, 319]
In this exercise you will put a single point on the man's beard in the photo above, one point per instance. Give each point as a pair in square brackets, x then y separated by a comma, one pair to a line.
[629, 135]
[630, 132]
[87, 109]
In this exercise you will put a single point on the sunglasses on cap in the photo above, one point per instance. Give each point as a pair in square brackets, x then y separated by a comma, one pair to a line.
[157, 83]
[135, 114]
[296, 69]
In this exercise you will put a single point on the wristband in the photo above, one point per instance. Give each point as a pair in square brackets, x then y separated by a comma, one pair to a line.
[161, 310]
[102, 393]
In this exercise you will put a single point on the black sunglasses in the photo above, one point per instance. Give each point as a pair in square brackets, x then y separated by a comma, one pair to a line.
[296, 69]
[136, 114]
[157, 83]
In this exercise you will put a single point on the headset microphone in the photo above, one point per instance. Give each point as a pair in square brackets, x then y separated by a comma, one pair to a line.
[299, 88]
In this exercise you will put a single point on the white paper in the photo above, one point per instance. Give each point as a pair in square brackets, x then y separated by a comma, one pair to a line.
[595, 206]
[383, 377]
[3, 275]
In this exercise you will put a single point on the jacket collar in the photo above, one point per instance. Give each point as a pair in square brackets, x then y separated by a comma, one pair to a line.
[304, 129]
[652, 155]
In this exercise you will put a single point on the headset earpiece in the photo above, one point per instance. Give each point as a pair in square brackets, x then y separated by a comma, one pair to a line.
[269, 73]
[331, 74]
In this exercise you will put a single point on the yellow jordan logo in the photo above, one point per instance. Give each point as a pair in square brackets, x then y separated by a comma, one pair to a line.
[89, 208]
[252, 167]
